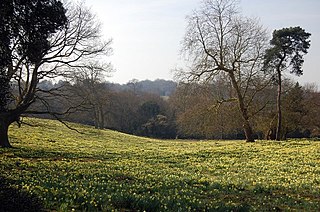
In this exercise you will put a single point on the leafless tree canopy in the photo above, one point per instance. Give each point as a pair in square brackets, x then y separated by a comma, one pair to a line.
[218, 39]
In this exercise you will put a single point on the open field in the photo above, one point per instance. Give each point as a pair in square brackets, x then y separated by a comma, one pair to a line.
[107, 170]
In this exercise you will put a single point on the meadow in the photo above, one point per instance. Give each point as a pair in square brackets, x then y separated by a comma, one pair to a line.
[102, 170]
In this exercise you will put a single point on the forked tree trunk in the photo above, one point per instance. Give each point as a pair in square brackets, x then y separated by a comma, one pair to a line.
[4, 138]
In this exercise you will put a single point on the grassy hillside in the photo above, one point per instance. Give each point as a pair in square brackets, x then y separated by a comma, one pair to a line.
[106, 170]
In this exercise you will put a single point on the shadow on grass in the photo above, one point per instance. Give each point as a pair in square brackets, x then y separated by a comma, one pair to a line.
[47, 155]
[217, 197]
[13, 199]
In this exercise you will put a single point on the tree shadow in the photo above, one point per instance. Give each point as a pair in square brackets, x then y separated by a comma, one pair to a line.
[13, 199]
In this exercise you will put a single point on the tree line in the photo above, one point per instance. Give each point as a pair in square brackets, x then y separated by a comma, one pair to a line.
[210, 112]
[192, 110]
[126, 108]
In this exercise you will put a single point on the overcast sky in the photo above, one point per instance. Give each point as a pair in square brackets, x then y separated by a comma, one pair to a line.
[147, 34]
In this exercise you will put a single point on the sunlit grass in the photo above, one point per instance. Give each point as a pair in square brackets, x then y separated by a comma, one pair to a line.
[107, 170]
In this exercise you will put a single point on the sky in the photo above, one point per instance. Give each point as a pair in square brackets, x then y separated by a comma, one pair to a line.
[147, 34]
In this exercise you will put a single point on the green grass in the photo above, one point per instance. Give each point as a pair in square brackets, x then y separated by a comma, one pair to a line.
[107, 170]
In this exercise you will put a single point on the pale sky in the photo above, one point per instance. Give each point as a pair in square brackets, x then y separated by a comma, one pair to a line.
[147, 34]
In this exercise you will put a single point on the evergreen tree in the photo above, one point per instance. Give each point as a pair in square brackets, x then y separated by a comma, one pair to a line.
[288, 45]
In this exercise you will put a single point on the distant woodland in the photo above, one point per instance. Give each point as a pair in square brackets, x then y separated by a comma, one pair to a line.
[165, 109]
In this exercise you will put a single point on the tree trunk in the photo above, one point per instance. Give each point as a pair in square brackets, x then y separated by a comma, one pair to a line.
[96, 117]
[243, 109]
[271, 134]
[101, 115]
[279, 122]
[4, 138]
[248, 131]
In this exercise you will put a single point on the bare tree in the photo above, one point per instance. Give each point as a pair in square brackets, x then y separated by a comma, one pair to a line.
[220, 41]
[90, 88]
[62, 51]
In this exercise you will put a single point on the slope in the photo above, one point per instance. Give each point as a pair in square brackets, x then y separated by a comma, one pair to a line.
[106, 170]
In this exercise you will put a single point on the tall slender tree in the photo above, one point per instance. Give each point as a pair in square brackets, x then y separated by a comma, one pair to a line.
[288, 45]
